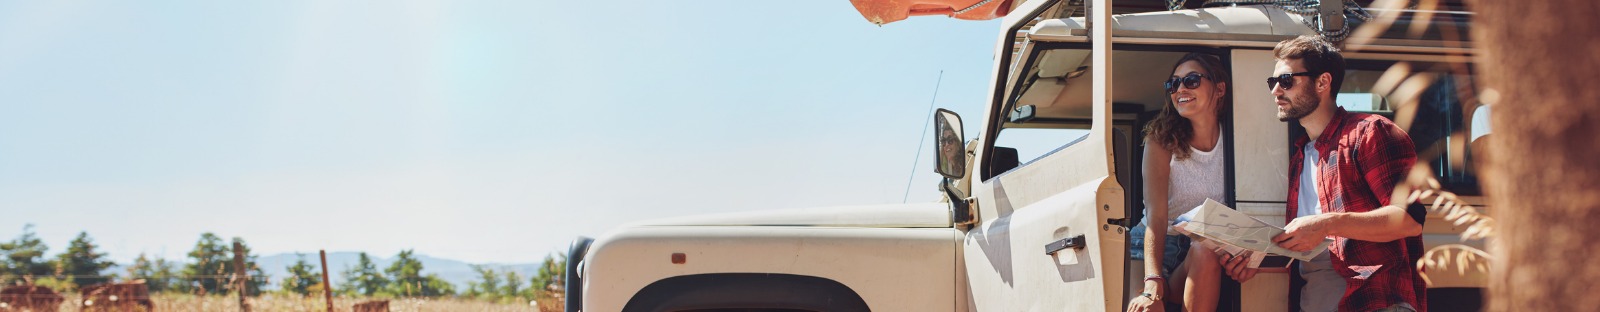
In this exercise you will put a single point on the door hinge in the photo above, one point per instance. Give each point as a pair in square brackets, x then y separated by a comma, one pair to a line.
[966, 213]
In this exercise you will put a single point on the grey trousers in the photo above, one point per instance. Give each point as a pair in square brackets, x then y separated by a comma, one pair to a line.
[1323, 288]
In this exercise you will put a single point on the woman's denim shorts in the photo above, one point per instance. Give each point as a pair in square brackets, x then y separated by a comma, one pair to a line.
[1172, 256]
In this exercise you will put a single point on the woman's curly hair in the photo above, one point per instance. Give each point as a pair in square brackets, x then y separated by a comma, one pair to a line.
[1171, 131]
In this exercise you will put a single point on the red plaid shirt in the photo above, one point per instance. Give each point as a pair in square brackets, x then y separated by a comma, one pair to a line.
[1363, 157]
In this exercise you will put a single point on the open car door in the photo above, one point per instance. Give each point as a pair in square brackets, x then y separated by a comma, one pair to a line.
[1045, 241]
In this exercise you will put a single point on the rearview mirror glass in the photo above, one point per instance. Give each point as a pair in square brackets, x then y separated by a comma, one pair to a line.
[951, 156]
[1022, 114]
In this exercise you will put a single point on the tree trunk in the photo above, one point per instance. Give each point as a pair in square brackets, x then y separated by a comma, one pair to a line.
[1542, 59]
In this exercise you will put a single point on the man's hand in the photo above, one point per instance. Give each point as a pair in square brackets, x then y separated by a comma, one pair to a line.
[1237, 267]
[1303, 233]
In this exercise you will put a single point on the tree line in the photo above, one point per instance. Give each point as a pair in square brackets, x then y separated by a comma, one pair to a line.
[209, 269]
[404, 278]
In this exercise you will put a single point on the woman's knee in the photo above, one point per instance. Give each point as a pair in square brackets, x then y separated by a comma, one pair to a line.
[1203, 257]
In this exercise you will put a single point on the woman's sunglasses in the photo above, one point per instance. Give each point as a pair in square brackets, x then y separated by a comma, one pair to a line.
[1192, 80]
[1287, 80]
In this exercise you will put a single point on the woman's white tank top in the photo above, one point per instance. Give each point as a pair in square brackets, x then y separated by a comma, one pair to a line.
[1195, 179]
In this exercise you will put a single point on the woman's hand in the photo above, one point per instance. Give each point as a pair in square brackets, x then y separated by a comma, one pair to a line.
[1144, 304]
[1237, 267]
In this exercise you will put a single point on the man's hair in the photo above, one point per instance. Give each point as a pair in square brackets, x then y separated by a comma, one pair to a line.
[1317, 55]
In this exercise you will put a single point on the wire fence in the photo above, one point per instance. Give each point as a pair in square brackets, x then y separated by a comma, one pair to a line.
[257, 285]
[220, 293]
[286, 302]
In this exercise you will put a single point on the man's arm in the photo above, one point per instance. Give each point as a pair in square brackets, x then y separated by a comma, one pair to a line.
[1384, 224]
[1385, 159]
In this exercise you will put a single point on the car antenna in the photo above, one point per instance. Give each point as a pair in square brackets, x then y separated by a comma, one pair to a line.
[925, 121]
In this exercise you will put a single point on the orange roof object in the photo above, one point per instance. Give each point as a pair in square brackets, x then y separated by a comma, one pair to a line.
[888, 11]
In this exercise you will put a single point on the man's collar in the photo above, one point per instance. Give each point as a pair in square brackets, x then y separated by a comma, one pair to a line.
[1326, 138]
[1328, 131]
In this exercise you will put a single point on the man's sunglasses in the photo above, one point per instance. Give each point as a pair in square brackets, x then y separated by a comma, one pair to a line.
[1286, 79]
[1192, 80]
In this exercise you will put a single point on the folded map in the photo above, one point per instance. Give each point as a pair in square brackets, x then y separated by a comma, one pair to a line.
[1233, 232]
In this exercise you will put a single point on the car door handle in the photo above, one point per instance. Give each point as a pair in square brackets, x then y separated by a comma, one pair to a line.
[1075, 242]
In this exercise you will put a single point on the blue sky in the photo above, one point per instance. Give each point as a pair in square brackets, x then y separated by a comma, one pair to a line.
[486, 131]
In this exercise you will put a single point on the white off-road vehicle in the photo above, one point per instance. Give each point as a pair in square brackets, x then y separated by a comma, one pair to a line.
[1048, 230]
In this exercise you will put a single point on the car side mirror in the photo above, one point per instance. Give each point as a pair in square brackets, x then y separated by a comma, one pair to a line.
[950, 157]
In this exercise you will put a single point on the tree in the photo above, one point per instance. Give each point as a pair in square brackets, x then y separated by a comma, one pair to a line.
[82, 264]
[488, 284]
[513, 288]
[364, 278]
[1546, 207]
[405, 275]
[158, 275]
[211, 270]
[302, 279]
[24, 256]
[551, 272]
[208, 265]
[435, 286]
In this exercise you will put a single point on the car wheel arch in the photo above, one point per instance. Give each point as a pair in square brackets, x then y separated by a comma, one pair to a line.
[746, 291]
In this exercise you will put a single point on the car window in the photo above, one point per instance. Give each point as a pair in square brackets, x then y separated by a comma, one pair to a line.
[1035, 143]
[1440, 113]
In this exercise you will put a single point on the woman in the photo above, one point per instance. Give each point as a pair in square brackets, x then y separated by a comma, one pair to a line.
[1183, 166]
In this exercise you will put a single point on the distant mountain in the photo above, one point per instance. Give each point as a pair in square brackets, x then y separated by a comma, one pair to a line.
[454, 271]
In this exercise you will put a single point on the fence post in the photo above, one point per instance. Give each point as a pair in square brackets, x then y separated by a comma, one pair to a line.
[240, 278]
[327, 289]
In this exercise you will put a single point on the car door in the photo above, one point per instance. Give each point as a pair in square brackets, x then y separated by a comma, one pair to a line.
[1044, 242]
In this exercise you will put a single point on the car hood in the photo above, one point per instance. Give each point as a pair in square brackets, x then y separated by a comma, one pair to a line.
[926, 215]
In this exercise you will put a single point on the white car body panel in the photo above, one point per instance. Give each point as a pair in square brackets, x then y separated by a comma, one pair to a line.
[920, 215]
[911, 269]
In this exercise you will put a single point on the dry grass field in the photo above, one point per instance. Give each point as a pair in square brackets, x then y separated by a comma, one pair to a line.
[279, 302]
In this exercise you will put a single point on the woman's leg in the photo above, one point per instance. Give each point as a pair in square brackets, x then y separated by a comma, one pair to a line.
[1176, 284]
[1174, 263]
[1203, 282]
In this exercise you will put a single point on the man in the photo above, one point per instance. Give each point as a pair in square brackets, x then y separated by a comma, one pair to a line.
[1342, 176]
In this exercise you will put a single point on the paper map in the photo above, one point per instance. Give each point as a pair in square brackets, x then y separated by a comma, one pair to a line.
[1215, 222]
